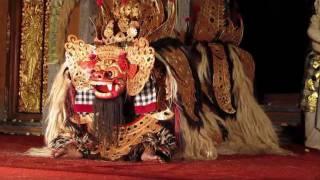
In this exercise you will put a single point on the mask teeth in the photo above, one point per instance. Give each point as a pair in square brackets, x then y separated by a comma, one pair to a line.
[109, 85]
[117, 87]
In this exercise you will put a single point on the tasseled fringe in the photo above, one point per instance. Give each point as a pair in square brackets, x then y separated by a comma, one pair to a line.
[252, 131]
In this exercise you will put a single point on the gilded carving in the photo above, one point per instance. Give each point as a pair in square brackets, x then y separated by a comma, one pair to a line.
[31, 53]
[311, 90]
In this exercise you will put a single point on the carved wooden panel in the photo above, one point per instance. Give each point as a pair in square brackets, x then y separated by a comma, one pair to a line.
[26, 72]
[31, 57]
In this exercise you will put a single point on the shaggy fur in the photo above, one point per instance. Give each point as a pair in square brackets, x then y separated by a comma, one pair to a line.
[56, 121]
[199, 143]
[251, 131]
[57, 115]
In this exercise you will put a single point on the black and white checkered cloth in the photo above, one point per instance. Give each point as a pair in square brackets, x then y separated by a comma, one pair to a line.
[84, 97]
[147, 96]
[84, 102]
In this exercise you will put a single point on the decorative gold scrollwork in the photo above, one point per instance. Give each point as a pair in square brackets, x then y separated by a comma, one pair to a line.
[31, 54]
[310, 100]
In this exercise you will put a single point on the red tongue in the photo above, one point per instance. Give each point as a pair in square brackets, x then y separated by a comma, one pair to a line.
[103, 89]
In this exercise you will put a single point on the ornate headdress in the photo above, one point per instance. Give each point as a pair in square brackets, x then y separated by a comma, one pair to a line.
[155, 18]
[120, 52]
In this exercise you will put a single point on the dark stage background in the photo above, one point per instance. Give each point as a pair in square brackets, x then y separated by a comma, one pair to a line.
[275, 33]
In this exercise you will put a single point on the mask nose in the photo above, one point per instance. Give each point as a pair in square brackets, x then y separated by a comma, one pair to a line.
[97, 75]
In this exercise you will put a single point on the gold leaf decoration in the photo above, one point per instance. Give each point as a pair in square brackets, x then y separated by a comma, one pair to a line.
[310, 94]
[31, 53]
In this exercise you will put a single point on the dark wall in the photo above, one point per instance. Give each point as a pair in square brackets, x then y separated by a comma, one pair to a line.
[3, 55]
[275, 33]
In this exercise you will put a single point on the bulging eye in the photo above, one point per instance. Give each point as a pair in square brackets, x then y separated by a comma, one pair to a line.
[109, 74]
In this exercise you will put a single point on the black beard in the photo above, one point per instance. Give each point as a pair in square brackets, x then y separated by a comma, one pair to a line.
[108, 117]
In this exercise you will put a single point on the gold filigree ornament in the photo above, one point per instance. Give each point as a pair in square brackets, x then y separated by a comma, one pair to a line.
[142, 55]
[125, 18]
[78, 51]
[123, 36]
[309, 102]
[146, 15]
[312, 101]
[129, 136]
[107, 55]
[31, 54]
[316, 62]
[310, 85]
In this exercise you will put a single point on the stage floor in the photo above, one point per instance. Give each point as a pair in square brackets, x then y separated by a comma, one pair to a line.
[13, 165]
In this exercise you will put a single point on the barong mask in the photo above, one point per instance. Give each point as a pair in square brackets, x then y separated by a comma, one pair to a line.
[119, 60]
[124, 58]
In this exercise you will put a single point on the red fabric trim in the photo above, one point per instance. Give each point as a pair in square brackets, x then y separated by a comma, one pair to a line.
[83, 108]
[146, 109]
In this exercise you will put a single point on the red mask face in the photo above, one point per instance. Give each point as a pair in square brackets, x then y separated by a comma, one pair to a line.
[109, 77]
[108, 83]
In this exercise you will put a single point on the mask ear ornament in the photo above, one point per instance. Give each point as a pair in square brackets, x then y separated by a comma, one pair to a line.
[132, 71]
[80, 58]
[141, 58]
